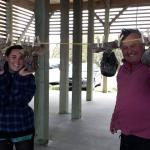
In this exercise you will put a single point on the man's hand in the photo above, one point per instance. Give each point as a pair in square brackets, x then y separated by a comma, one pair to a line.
[113, 130]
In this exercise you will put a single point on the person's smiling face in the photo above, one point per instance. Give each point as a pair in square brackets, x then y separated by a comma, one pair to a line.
[132, 48]
[15, 60]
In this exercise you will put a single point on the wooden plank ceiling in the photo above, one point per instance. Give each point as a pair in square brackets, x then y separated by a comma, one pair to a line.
[55, 4]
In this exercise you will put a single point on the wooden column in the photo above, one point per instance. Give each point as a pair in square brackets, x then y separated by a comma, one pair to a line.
[42, 75]
[64, 57]
[9, 19]
[106, 36]
[77, 59]
[89, 93]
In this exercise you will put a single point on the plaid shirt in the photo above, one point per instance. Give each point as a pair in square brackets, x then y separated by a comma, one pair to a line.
[15, 93]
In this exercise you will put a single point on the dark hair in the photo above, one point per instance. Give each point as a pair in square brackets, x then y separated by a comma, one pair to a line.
[126, 32]
[9, 49]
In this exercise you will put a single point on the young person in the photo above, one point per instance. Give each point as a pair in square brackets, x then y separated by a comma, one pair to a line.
[17, 88]
[132, 109]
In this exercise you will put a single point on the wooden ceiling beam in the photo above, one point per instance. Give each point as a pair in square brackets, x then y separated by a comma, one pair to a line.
[100, 4]
[24, 4]
[28, 4]
[130, 3]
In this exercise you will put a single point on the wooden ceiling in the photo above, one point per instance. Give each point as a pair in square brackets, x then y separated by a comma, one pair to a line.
[99, 4]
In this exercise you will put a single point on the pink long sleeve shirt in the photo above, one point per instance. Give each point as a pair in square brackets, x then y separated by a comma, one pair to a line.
[132, 110]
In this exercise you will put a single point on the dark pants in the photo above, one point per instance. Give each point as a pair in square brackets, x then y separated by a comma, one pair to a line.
[131, 142]
[24, 145]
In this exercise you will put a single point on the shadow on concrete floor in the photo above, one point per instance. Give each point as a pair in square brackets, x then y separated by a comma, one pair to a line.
[91, 132]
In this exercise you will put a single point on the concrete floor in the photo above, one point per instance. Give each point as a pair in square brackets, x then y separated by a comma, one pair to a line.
[91, 132]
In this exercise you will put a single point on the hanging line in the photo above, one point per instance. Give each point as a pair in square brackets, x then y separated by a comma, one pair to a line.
[46, 43]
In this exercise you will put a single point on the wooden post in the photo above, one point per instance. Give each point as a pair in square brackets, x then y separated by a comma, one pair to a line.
[106, 35]
[9, 19]
[64, 57]
[77, 59]
[89, 92]
[41, 101]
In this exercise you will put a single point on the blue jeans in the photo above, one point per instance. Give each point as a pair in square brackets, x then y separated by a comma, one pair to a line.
[23, 145]
[131, 142]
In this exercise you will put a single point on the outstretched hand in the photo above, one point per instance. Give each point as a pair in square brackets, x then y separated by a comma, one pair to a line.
[24, 72]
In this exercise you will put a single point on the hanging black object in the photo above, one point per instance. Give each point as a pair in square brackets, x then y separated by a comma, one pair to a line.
[109, 64]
